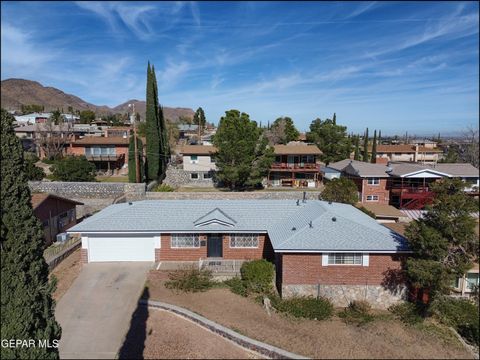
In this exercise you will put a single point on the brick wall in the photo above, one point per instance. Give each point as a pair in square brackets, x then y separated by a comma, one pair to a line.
[84, 256]
[167, 253]
[381, 190]
[308, 269]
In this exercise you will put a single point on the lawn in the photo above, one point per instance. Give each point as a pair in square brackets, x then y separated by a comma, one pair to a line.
[66, 272]
[382, 338]
[121, 179]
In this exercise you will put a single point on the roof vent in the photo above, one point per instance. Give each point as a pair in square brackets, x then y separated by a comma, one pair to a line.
[310, 224]
[130, 203]
[329, 203]
[334, 219]
[294, 228]
[304, 196]
[298, 202]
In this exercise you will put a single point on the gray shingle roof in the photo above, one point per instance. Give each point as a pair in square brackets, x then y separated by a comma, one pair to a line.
[352, 229]
[448, 169]
[363, 169]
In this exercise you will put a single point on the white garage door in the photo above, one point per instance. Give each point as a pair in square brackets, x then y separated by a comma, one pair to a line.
[121, 249]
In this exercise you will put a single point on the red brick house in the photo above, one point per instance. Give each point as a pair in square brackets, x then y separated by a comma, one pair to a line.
[57, 214]
[330, 249]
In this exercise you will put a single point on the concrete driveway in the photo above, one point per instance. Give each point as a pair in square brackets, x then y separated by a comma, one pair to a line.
[95, 312]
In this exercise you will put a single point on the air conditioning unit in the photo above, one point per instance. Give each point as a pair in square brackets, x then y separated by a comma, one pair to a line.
[62, 237]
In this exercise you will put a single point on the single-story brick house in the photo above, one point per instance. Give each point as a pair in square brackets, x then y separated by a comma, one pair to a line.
[319, 248]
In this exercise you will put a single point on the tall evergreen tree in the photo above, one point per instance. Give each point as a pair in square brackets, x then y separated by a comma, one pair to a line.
[132, 175]
[365, 147]
[27, 307]
[374, 147]
[199, 117]
[334, 119]
[379, 139]
[357, 148]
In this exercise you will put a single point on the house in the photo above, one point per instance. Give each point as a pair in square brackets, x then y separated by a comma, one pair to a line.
[198, 163]
[57, 214]
[430, 144]
[407, 153]
[187, 131]
[33, 118]
[295, 165]
[464, 286]
[35, 137]
[385, 213]
[371, 179]
[319, 248]
[107, 153]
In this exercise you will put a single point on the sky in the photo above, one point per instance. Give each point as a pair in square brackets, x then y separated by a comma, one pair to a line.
[392, 66]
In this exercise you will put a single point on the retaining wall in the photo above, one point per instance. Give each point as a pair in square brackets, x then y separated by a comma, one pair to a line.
[88, 189]
[226, 195]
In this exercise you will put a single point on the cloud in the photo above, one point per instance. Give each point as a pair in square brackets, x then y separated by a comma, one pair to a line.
[362, 8]
[172, 73]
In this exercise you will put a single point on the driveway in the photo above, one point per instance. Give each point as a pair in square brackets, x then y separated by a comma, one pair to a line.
[95, 312]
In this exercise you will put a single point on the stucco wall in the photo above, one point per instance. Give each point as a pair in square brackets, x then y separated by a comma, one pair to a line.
[203, 163]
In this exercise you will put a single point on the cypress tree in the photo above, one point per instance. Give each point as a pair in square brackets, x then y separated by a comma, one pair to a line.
[27, 310]
[152, 127]
[132, 176]
[365, 147]
[379, 140]
[357, 148]
[334, 119]
[374, 148]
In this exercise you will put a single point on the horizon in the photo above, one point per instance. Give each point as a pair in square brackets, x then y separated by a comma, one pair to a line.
[385, 66]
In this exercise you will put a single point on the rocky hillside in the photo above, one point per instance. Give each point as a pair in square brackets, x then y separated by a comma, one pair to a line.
[18, 92]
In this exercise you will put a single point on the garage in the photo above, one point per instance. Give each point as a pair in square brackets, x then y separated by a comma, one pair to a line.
[121, 248]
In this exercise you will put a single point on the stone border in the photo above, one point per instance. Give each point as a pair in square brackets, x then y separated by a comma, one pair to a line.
[247, 343]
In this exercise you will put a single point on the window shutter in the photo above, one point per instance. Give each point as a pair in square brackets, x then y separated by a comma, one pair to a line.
[324, 259]
[366, 259]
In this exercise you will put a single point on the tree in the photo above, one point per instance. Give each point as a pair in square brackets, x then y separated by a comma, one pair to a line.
[282, 131]
[365, 146]
[341, 190]
[357, 148]
[379, 140]
[452, 155]
[27, 307]
[374, 147]
[331, 139]
[334, 119]
[56, 117]
[52, 139]
[156, 131]
[472, 153]
[132, 175]
[173, 134]
[73, 168]
[444, 240]
[243, 157]
[199, 117]
[87, 116]
[32, 108]
[33, 172]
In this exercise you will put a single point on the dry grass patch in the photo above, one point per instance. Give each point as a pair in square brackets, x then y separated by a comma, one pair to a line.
[66, 272]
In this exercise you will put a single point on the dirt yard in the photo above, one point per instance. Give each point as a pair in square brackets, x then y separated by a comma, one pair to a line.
[316, 339]
[66, 272]
[167, 336]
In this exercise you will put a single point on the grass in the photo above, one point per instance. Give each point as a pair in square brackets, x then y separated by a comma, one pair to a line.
[120, 179]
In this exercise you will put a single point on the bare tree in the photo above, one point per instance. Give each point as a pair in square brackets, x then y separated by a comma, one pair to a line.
[472, 146]
[276, 134]
[52, 139]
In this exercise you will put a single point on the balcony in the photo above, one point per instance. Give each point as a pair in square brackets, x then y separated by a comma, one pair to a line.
[299, 167]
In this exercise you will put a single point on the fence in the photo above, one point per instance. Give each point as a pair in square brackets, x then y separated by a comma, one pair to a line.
[55, 253]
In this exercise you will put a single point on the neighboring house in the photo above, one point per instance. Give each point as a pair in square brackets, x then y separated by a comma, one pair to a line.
[295, 165]
[32, 136]
[187, 131]
[385, 213]
[33, 118]
[199, 162]
[117, 131]
[407, 153]
[424, 143]
[319, 248]
[56, 214]
[107, 153]
[464, 286]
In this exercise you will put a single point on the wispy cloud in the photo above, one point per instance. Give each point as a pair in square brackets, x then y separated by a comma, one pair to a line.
[363, 7]
[172, 73]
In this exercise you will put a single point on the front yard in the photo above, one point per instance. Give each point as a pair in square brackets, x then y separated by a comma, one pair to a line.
[383, 338]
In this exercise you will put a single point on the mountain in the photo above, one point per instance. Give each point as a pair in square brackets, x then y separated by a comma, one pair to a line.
[18, 92]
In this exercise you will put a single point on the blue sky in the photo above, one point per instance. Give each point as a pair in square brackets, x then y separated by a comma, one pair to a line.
[408, 66]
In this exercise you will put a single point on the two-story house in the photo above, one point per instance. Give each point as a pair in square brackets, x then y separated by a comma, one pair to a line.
[199, 162]
[295, 165]
[407, 153]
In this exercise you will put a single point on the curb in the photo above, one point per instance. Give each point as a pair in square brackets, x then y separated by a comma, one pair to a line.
[267, 350]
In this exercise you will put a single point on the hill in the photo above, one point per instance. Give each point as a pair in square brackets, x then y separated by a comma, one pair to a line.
[18, 92]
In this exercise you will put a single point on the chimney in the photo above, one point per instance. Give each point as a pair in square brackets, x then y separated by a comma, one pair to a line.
[304, 197]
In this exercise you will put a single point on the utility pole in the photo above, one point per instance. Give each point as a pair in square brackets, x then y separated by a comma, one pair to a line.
[133, 118]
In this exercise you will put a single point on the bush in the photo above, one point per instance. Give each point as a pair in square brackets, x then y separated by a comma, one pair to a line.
[237, 286]
[164, 188]
[257, 276]
[73, 168]
[33, 172]
[304, 307]
[461, 314]
[190, 280]
[407, 312]
[357, 312]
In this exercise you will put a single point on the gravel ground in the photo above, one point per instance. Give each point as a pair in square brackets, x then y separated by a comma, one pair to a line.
[167, 336]
[316, 339]
[66, 272]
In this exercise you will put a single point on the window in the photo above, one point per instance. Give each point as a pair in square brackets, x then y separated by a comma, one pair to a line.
[244, 241]
[373, 181]
[71, 215]
[472, 280]
[99, 150]
[212, 159]
[345, 259]
[185, 241]
[372, 197]
[62, 220]
[193, 159]
[193, 176]
[45, 223]
[207, 175]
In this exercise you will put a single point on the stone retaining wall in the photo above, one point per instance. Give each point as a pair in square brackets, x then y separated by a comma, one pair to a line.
[179, 177]
[225, 195]
[341, 295]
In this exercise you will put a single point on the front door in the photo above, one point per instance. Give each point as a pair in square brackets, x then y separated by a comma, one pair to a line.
[214, 245]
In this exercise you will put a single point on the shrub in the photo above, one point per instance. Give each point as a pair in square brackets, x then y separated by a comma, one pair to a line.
[237, 286]
[461, 314]
[357, 312]
[190, 280]
[257, 276]
[73, 168]
[164, 188]
[407, 312]
[33, 172]
[304, 307]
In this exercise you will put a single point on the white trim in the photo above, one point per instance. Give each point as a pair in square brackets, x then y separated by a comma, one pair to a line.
[324, 259]
[328, 258]
[243, 247]
[344, 251]
[157, 242]
[365, 259]
[426, 170]
[135, 232]
[373, 200]
[84, 242]
[184, 247]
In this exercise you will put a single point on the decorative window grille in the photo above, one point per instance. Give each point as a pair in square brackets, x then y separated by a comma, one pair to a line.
[345, 259]
[244, 241]
[185, 241]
